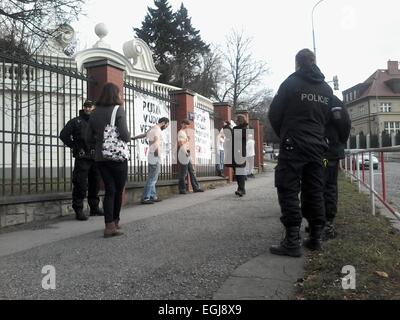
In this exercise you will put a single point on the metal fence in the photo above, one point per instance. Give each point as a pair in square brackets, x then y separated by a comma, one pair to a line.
[363, 166]
[138, 168]
[37, 96]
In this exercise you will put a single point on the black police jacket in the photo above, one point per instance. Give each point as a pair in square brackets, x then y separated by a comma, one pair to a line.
[299, 113]
[337, 130]
[73, 136]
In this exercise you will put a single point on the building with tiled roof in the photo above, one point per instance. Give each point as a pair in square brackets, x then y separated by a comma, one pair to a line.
[374, 105]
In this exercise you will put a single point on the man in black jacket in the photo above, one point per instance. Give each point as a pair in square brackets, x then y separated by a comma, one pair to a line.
[337, 133]
[85, 175]
[298, 115]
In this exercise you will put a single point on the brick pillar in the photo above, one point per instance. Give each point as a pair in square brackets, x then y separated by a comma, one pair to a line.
[255, 125]
[101, 72]
[184, 109]
[223, 110]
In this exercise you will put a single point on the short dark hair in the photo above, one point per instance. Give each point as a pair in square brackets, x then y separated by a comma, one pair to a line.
[88, 103]
[163, 119]
[109, 95]
[186, 121]
[305, 58]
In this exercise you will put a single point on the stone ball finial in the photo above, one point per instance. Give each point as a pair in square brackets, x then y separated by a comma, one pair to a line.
[101, 30]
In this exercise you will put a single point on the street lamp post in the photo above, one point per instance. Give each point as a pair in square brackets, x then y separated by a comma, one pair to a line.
[312, 22]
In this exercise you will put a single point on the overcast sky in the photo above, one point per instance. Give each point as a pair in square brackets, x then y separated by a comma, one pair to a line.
[353, 37]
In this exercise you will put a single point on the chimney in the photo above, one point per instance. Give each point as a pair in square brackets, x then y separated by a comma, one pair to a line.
[393, 67]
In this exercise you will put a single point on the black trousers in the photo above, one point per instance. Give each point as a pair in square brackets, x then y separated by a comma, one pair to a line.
[240, 175]
[114, 176]
[331, 189]
[85, 179]
[293, 177]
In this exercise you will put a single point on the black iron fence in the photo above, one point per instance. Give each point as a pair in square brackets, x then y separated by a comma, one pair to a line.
[144, 106]
[37, 96]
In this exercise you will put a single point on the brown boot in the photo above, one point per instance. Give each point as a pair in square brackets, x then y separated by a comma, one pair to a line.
[111, 230]
[117, 226]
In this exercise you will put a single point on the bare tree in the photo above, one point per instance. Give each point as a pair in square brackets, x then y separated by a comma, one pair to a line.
[209, 75]
[243, 73]
[258, 107]
[28, 23]
[25, 26]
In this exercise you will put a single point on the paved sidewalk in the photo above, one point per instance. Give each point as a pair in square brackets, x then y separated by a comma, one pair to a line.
[209, 245]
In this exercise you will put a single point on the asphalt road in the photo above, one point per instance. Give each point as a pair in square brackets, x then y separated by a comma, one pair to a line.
[392, 177]
[186, 251]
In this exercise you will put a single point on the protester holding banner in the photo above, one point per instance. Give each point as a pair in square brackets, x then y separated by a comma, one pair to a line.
[185, 161]
[155, 153]
[220, 153]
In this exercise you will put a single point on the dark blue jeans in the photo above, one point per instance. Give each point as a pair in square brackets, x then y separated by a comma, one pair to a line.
[149, 191]
[221, 160]
[114, 176]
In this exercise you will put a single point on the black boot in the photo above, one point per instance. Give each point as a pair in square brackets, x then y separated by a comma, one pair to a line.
[290, 246]
[315, 238]
[329, 231]
[96, 211]
[80, 215]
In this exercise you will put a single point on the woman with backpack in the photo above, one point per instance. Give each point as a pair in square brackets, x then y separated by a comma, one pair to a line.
[113, 173]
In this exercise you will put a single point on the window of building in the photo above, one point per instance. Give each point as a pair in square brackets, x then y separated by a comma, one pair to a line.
[385, 107]
[351, 96]
[392, 126]
[355, 94]
[362, 110]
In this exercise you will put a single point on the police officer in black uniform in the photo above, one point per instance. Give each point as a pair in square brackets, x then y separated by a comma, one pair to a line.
[337, 133]
[298, 114]
[85, 175]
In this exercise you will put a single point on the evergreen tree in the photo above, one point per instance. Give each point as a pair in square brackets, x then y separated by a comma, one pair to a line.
[189, 50]
[177, 46]
[158, 31]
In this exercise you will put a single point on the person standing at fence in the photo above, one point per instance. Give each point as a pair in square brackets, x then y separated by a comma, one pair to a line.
[298, 115]
[114, 173]
[154, 156]
[185, 162]
[250, 155]
[237, 159]
[337, 133]
[220, 153]
[85, 177]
